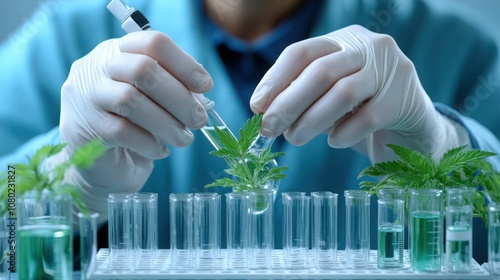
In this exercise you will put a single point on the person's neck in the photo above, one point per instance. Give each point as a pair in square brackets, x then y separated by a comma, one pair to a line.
[249, 19]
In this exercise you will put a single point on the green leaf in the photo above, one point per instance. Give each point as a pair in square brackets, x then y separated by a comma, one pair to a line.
[385, 169]
[458, 158]
[222, 182]
[43, 153]
[457, 168]
[249, 170]
[85, 156]
[249, 132]
[417, 161]
[227, 139]
[33, 178]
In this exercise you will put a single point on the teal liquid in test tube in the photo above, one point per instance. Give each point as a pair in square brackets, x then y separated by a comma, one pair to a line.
[426, 217]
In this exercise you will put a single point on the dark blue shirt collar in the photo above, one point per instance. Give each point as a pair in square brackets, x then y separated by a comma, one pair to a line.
[293, 29]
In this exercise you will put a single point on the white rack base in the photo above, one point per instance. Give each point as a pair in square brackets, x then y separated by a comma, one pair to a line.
[162, 269]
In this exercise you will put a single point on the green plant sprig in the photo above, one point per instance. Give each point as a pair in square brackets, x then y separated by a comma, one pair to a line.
[457, 168]
[249, 171]
[33, 176]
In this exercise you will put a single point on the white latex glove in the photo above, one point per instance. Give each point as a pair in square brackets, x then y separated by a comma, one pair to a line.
[358, 87]
[135, 94]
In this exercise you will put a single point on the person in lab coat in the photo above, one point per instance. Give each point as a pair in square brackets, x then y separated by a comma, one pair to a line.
[336, 81]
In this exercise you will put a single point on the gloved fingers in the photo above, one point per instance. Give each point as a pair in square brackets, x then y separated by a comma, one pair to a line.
[127, 101]
[370, 117]
[332, 108]
[307, 89]
[160, 86]
[173, 59]
[290, 64]
[117, 131]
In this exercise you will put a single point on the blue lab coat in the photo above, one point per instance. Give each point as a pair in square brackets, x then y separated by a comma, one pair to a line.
[452, 58]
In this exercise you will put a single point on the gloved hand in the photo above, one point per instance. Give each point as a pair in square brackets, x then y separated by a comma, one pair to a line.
[135, 94]
[358, 87]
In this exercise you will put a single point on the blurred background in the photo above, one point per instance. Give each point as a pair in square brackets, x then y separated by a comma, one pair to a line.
[485, 12]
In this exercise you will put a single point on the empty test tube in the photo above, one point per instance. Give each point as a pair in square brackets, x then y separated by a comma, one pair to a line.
[390, 233]
[494, 238]
[145, 224]
[181, 229]
[324, 229]
[237, 218]
[206, 229]
[120, 230]
[88, 244]
[357, 234]
[261, 232]
[296, 213]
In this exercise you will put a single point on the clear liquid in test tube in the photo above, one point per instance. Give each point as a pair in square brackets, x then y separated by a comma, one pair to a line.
[145, 224]
[390, 233]
[357, 230]
[120, 230]
[207, 225]
[459, 238]
[494, 238]
[181, 230]
[324, 229]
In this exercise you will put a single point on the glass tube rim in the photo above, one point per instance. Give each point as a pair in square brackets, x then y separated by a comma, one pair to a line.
[494, 206]
[324, 194]
[356, 194]
[438, 192]
[93, 215]
[206, 195]
[180, 196]
[119, 197]
[390, 201]
[144, 196]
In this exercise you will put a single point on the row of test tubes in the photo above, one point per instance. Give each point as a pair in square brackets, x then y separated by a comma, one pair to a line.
[309, 222]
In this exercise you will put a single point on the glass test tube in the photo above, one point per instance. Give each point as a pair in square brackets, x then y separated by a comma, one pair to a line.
[296, 214]
[388, 193]
[237, 217]
[261, 233]
[181, 229]
[145, 225]
[357, 234]
[426, 217]
[120, 230]
[459, 229]
[494, 238]
[390, 233]
[324, 229]
[88, 244]
[459, 238]
[206, 229]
